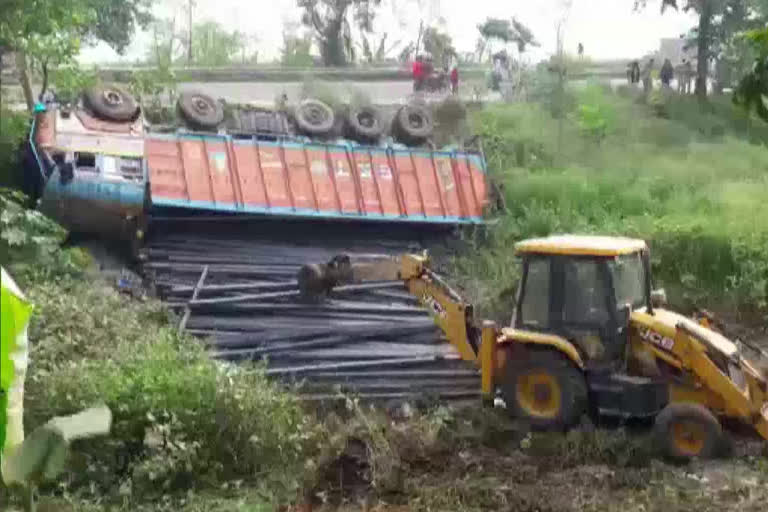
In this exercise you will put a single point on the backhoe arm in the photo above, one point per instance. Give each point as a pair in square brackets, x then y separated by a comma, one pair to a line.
[448, 309]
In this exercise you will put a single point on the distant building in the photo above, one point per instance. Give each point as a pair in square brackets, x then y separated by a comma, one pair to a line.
[673, 48]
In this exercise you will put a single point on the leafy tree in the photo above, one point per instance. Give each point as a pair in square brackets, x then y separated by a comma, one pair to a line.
[752, 90]
[49, 33]
[506, 31]
[167, 42]
[439, 44]
[214, 45]
[296, 50]
[329, 20]
[707, 11]
[715, 36]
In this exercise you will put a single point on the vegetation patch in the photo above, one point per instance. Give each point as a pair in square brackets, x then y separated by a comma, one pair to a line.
[611, 166]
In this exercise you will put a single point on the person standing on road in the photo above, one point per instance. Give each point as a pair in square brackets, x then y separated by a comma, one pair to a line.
[418, 73]
[687, 77]
[455, 79]
[647, 70]
[666, 74]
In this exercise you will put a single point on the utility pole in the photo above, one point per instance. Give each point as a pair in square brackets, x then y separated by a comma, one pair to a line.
[190, 5]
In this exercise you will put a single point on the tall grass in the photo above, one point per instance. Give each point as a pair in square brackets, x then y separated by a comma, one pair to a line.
[700, 199]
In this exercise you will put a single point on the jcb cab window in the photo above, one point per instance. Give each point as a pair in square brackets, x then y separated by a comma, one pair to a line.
[535, 300]
[586, 293]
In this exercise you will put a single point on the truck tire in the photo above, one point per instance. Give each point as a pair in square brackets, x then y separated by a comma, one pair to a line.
[683, 431]
[313, 117]
[364, 123]
[199, 110]
[111, 103]
[545, 389]
[413, 124]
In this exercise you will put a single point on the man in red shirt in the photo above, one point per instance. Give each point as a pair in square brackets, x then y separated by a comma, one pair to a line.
[418, 73]
[455, 79]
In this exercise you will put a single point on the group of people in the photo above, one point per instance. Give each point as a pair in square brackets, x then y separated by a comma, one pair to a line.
[423, 69]
[667, 73]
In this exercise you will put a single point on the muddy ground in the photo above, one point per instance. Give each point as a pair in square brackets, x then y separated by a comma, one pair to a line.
[479, 465]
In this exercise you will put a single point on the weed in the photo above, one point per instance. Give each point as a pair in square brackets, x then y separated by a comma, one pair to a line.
[694, 198]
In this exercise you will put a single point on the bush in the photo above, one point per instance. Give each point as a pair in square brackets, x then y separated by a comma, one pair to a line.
[694, 198]
[14, 126]
[181, 420]
[30, 243]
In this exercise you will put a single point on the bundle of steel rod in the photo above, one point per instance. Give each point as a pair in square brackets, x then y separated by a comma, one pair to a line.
[234, 285]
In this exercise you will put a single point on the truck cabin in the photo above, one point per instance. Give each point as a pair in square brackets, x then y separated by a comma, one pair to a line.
[583, 288]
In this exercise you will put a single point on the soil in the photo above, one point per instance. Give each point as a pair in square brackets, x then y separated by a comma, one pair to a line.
[483, 478]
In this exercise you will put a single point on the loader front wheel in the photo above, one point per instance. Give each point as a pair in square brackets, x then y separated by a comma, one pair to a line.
[686, 430]
[545, 389]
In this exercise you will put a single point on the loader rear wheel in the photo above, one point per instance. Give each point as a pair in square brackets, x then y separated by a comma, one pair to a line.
[686, 430]
[545, 389]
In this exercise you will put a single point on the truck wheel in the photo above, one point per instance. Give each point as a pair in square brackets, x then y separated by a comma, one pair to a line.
[199, 110]
[364, 123]
[111, 103]
[314, 117]
[686, 430]
[413, 124]
[545, 389]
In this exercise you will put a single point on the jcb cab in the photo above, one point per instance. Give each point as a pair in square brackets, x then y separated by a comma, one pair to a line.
[587, 337]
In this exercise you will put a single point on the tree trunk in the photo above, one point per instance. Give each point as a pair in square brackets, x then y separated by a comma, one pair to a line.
[26, 85]
[702, 54]
[332, 46]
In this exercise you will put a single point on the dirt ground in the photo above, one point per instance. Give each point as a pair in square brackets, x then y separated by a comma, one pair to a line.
[483, 462]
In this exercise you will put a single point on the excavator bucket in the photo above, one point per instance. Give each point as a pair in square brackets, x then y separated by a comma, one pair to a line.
[315, 281]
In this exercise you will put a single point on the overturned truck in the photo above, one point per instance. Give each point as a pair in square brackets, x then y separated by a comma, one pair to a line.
[222, 213]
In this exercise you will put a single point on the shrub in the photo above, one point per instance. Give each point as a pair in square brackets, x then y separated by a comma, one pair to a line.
[14, 127]
[694, 198]
[180, 419]
[30, 242]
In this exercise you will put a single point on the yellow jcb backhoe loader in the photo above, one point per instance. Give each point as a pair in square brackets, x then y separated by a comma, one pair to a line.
[587, 336]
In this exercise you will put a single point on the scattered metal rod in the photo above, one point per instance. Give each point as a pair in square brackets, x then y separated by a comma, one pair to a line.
[398, 374]
[446, 395]
[259, 285]
[380, 363]
[292, 339]
[188, 310]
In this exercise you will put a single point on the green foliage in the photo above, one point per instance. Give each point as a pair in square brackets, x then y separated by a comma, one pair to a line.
[651, 178]
[295, 51]
[439, 44]
[14, 126]
[595, 116]
[752, 90]
[149, 85]
[30, 242]
[508, 31]
[49, 33]
[181, 420]
[71, 80]
[213, 45]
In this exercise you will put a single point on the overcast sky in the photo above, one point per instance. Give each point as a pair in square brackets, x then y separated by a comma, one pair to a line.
[608, 29]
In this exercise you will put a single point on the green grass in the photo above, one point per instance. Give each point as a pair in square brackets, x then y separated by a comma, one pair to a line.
[698, 198]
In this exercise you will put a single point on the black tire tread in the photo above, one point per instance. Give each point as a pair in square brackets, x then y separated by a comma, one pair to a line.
[93, 99]
[688, 410]
[313, 129]
[575, 386]
[193, 118]
[363, 133]
[407, 134]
